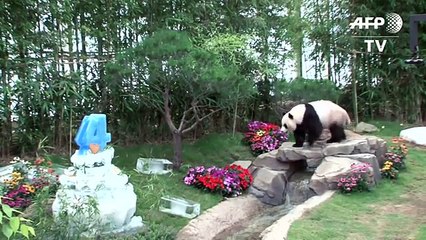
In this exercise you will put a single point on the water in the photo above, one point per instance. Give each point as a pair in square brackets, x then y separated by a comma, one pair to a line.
[297, 193]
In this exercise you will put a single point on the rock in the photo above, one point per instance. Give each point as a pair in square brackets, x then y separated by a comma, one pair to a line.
[373, 141]
[347, 147]
[289, 153]
[381, 151]
[255, 192]
[367, 158]
[313, 162]
[244, 164]
[220, 218]
[416, 135]
[266, 160]
[252, 169]
[327, 175]
[272, 184]
[363, 127]
[377, 147]
[270, 178]
[269, 160]
[352, 136]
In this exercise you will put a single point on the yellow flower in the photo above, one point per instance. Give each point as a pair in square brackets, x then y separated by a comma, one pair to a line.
[389, 163]
[29, 188]
[260, 133]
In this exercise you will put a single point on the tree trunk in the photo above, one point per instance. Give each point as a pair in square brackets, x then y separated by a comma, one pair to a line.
[7, 127]
[177, 149]
[354, 92]
[299, 44]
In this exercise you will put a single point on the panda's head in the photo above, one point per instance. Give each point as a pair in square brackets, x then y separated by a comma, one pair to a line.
[287, 122]
[293, 117]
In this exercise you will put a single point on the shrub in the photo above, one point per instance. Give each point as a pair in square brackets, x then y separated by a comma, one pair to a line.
[11, 224]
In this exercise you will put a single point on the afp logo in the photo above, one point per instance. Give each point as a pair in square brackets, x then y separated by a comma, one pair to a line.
[393, 23]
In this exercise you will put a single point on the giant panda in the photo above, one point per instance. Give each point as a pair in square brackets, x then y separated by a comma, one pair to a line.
[311, 118]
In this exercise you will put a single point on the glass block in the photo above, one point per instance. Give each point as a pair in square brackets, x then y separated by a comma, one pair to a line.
[179, 206]
[6, 172]
[153, 166]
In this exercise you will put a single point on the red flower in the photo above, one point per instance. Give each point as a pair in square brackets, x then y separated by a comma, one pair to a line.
[271, 127]
[38, 161]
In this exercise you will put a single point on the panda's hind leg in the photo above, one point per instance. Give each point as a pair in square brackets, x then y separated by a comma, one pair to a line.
[337, 133]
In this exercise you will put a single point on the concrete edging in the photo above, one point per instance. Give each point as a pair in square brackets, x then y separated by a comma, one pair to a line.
[279, 229]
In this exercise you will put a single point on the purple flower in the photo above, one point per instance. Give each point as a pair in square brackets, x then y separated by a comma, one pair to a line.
[199, 169]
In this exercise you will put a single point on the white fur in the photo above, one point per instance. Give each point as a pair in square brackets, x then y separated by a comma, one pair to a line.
[328, 113]
[298, 111]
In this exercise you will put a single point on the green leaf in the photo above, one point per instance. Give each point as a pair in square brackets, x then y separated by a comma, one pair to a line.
[31, 230]
[14, 223]
[7, 210]
[1, 216]
[7, 231]
[24, 230]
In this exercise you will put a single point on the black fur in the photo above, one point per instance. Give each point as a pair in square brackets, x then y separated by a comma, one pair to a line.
[337, 133]
[310, 125]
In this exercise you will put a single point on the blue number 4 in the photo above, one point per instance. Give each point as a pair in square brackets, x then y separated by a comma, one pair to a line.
[93, 130]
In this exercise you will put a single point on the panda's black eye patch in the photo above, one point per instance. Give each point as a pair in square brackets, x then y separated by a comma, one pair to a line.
[285, 125]
[290, 116]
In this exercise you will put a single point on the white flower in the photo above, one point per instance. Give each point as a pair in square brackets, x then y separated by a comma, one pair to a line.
[25, 162]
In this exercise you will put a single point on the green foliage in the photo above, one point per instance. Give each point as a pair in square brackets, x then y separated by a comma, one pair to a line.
[307, 90]
[12, 224]
[184, 67]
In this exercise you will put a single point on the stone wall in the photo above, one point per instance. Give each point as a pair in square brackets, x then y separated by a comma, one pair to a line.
[273, 171]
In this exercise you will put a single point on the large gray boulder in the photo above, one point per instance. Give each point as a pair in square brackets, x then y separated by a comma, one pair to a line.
[367, 158]
[327, 175]
[363, 127]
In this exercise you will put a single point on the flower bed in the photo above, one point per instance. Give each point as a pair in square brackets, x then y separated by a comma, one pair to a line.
[26, 181]
[395, 159]
[357, 180]
[264, 137]
[393, 164]
[232, 180]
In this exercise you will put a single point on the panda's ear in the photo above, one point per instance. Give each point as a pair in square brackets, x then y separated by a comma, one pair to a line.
[290, 116]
